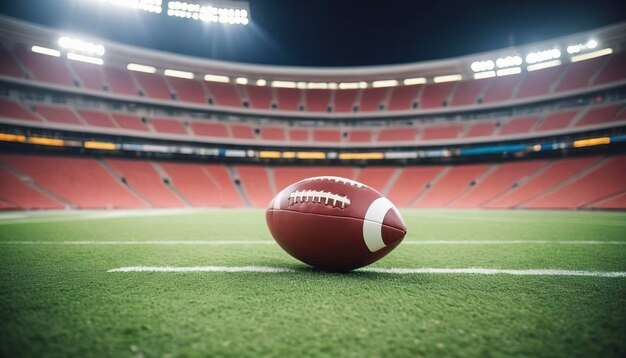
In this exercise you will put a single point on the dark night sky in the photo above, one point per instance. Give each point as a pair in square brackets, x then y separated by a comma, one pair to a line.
[334, 32]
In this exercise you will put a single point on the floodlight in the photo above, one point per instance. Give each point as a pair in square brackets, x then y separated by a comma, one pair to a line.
[479, 66]
[283, 84]
[349, 85]
[509, 71]
[541, 56]
[594, 54]
[384, 83]
[241, 80]
[232, 12]
[483, 75]
[216, 78]
[261, 82]
[78, 45]
[140, 68]
[448, 78]
[414, 81]
[83, 58]
[179, 74]
[46, 51]
[542, 65]
[508, 61]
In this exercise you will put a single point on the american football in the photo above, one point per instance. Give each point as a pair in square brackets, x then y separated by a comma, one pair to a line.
[334, 223]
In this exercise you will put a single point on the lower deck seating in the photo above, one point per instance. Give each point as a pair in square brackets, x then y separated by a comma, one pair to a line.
[55, 182]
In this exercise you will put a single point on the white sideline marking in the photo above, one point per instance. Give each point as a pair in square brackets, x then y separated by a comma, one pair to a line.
[400, 271]
[271, 242]
[261, 269]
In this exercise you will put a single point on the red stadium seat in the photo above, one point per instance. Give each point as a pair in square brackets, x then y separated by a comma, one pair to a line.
[273, 133]
[613, 71]
[255, 181]
[579, 74]
[9, 65]
[215, 129]
[595, 184]
[344, 100]
[539, 82]
[445, 131]
[46, 68]
[22, 195]
[326, 135]
[194, 184]
[499, 181]
[129, 121]
[144, 178]
[90, 76]
[451, 185]
[13, 110]
[519, 125]
[289, 99]
[84, 182]
[411, 183]
[299, 135]
[359, 136]
[598, 115]
[558, 120]
[168, 125]
[373, 98]
[153, 85]
[285, 176]
[317, 100]
[376, 177]
[555, 174]
[224, 94]
[437, 95]
[97, 119]
[119, 81]
[404, 98]
[59, 114]
[242, 131]
[259, 96]
[480, 129]
[188, 90]
[501, 88]
[468, 92]
[397, 134]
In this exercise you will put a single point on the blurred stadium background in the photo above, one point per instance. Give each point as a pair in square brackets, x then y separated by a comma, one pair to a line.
[90, 123]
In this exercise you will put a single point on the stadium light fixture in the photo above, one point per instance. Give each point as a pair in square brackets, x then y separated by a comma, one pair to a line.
[317, 85]
[509, 61]
[283, 84]
[509, 71]
[333, 85]
[594, 54]
[448, 78]
[301, 85]
[216, 78]
[384, 83]
[542, 56]
[46, 51]
[81, 46]
[349, 85]
[483, 75]
[140, 68]
[261, 82]
[414, 81]
[480, 66]
[179, 74]
[241, 80]
[153, 6]
[232, 12]
[589, 45]
[542, 65]
[83, 58]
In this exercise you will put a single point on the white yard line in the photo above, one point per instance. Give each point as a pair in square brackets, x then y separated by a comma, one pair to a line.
[400, 271]
[270, 242]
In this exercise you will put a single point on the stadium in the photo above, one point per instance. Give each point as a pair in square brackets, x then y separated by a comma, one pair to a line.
[134, 183]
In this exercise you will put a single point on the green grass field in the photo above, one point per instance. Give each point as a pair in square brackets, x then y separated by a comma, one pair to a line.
[57, 298]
